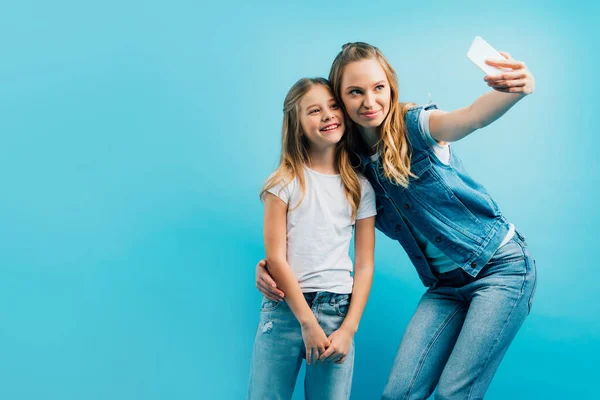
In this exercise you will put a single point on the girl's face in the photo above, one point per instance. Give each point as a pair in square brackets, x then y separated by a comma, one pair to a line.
[366, 93]
[321, 117]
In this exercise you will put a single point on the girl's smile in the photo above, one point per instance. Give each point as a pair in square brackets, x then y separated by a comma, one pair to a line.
[329, 128]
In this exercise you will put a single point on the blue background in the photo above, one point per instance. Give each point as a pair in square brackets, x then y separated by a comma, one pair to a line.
[135, 136]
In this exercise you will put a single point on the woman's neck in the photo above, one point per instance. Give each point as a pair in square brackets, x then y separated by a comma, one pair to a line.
[323, 160]
[370, 137]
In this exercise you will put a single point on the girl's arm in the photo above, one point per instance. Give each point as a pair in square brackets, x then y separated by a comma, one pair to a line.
[275, 234]
[364, 247]
[509, 88]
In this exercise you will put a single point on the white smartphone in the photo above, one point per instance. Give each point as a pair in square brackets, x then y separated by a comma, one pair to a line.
[480, 51]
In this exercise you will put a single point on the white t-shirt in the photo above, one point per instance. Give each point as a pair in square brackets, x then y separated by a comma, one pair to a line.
[319, 230]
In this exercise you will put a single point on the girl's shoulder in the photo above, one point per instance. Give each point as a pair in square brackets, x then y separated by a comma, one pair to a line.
[281, 185]
[365, 185]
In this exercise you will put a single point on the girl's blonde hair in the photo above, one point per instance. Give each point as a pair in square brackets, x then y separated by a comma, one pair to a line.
[294, 149]
[395, 148]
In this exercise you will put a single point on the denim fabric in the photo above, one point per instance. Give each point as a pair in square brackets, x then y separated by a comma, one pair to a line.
[443, 202]
[462, 328]
[279, 350]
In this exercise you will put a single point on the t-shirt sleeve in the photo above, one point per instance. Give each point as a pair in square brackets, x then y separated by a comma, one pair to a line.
[367, 207]
[441, 151]
[283, 190]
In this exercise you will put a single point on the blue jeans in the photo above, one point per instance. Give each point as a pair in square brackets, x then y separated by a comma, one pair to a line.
[462, 328]
[279, 350]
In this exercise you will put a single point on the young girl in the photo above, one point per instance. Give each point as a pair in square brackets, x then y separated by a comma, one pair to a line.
[312, 202]
[480, 275]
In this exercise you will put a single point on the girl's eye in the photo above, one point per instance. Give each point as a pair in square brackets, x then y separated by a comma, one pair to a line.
[335, 106]
[313, 111]
[354, 91]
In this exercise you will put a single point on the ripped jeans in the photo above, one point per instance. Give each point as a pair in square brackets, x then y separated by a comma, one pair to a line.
[279, 350]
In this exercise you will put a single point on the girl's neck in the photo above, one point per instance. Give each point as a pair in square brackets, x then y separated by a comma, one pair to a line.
[323, 160]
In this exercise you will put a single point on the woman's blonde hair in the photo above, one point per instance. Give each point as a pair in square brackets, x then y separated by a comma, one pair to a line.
[294, 149]
[395, 148]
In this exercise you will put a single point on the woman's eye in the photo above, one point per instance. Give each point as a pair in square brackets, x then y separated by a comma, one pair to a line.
[354, 91]
[379, 87]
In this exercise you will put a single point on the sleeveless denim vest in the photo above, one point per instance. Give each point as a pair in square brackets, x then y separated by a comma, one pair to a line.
[444, 203]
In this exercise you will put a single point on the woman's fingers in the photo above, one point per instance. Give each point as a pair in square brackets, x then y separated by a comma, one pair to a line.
[265, 283]
[270, 284]
[505, 55]
[513, 64]
[268, 291]
[515, 90]
[508, 84]
[265, 292]
[265, 286]
[505, 77]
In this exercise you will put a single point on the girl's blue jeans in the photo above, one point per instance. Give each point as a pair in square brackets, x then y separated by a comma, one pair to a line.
[279, 350]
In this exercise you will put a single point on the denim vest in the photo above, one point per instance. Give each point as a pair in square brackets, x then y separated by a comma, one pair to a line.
[444, 203]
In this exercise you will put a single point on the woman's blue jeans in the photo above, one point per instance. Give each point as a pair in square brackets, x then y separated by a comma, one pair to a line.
[462, 328]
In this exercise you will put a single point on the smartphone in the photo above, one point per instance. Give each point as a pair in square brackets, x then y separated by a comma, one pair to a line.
[480, 51]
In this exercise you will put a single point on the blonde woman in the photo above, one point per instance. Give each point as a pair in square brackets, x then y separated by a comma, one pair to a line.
[313, 202]
[480, 275]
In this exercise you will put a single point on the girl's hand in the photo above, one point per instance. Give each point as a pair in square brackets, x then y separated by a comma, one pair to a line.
[265, 283]
[315, 341]
[519, 80]
[341, 341]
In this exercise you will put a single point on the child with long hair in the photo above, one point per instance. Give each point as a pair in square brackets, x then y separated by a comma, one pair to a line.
[313, 202]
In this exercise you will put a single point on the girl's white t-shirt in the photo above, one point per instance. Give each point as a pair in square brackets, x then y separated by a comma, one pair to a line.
[319, 230]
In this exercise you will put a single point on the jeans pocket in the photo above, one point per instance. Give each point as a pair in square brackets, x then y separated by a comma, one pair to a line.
[269, 305]
[341, 306]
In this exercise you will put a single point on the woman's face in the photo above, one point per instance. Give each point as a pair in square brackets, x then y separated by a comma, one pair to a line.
[366, 92]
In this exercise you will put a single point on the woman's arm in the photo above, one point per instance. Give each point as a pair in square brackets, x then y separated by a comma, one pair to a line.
[364, 245]
[509, 88]
[275, 233]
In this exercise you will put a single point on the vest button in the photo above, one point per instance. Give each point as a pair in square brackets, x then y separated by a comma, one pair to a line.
[406, 206]
[438, 239]
[473, 265]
